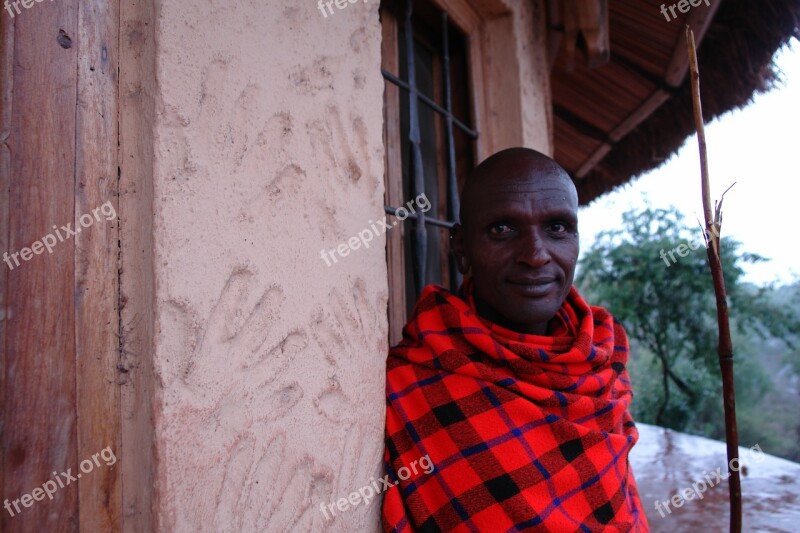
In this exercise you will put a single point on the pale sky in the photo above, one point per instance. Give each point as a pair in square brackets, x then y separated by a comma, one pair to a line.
[759, 149]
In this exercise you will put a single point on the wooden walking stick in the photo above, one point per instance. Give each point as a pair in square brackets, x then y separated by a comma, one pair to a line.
[724, 346]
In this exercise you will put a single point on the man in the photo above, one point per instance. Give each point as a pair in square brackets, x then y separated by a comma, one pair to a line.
[515, 388]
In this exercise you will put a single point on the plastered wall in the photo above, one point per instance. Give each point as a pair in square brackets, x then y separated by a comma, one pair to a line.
[270, 363]
[269, 360]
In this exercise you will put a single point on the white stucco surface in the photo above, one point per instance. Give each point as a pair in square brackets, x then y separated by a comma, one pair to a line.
[270, 364]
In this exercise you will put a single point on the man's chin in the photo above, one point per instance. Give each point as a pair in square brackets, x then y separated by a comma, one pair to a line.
[532, 310]
[521, 312]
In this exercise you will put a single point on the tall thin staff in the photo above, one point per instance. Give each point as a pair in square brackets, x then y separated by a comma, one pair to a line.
[724, 345]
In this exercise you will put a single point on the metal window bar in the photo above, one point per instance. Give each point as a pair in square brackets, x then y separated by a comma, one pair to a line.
[430, 103]
[413, 216]
[415, 169]
[452, 186]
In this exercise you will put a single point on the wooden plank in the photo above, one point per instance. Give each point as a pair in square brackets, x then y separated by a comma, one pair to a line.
[593, 160]
[588, 18]
[137, 119]
[39, 417]
[6, 96]
[555, 31]
[462, 13]
[393, 181]
[96, 254]
[647, 108]
[479, 107]
[501, 78]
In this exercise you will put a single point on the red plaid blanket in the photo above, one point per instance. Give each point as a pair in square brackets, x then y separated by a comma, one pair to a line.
[525, 432]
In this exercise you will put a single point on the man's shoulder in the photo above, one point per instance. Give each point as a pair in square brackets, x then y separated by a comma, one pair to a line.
[433, 302]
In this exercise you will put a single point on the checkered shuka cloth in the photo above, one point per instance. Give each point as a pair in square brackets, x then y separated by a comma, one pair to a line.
[525, 432]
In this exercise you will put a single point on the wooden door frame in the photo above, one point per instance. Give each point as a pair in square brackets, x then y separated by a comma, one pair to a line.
[76, 118]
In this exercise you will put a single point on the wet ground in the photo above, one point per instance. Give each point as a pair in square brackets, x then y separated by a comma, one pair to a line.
[667, 463]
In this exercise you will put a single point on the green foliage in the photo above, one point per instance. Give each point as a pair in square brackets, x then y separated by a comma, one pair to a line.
[666, 303]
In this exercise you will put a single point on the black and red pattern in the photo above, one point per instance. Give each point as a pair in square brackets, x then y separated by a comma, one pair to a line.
[526, 432]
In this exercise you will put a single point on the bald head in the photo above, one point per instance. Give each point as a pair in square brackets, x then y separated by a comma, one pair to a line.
[509, 170]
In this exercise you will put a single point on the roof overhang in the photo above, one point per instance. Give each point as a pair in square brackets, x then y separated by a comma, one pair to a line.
[619, 77]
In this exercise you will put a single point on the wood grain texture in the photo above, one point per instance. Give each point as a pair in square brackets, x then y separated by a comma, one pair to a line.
[395, 257]
[6, 94]
[480, 101]
[97, 250]
[501, 70]
[58, 164]
[39, 416]
[137, 93]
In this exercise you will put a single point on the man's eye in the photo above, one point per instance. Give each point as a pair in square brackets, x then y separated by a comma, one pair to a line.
[559, 227]
[500, 229]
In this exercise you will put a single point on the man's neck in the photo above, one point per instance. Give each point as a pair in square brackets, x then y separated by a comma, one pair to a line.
[487, 313]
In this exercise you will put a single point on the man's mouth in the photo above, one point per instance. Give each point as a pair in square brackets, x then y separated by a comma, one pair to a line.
[532, 286]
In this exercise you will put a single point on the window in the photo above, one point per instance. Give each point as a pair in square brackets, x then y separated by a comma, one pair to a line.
[430, 146]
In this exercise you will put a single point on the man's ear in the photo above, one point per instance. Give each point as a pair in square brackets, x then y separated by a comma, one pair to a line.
[458, 247]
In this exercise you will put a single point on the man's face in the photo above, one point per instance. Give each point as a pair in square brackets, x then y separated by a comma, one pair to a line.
[520, 240]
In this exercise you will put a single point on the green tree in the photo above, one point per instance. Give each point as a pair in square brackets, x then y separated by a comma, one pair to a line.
[646, 274]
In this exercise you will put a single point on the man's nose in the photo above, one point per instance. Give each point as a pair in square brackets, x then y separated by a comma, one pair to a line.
[532, 250]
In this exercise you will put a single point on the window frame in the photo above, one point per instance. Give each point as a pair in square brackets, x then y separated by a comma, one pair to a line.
[468, 22]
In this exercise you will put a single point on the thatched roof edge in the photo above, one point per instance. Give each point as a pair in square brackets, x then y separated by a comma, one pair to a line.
[736, 62]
